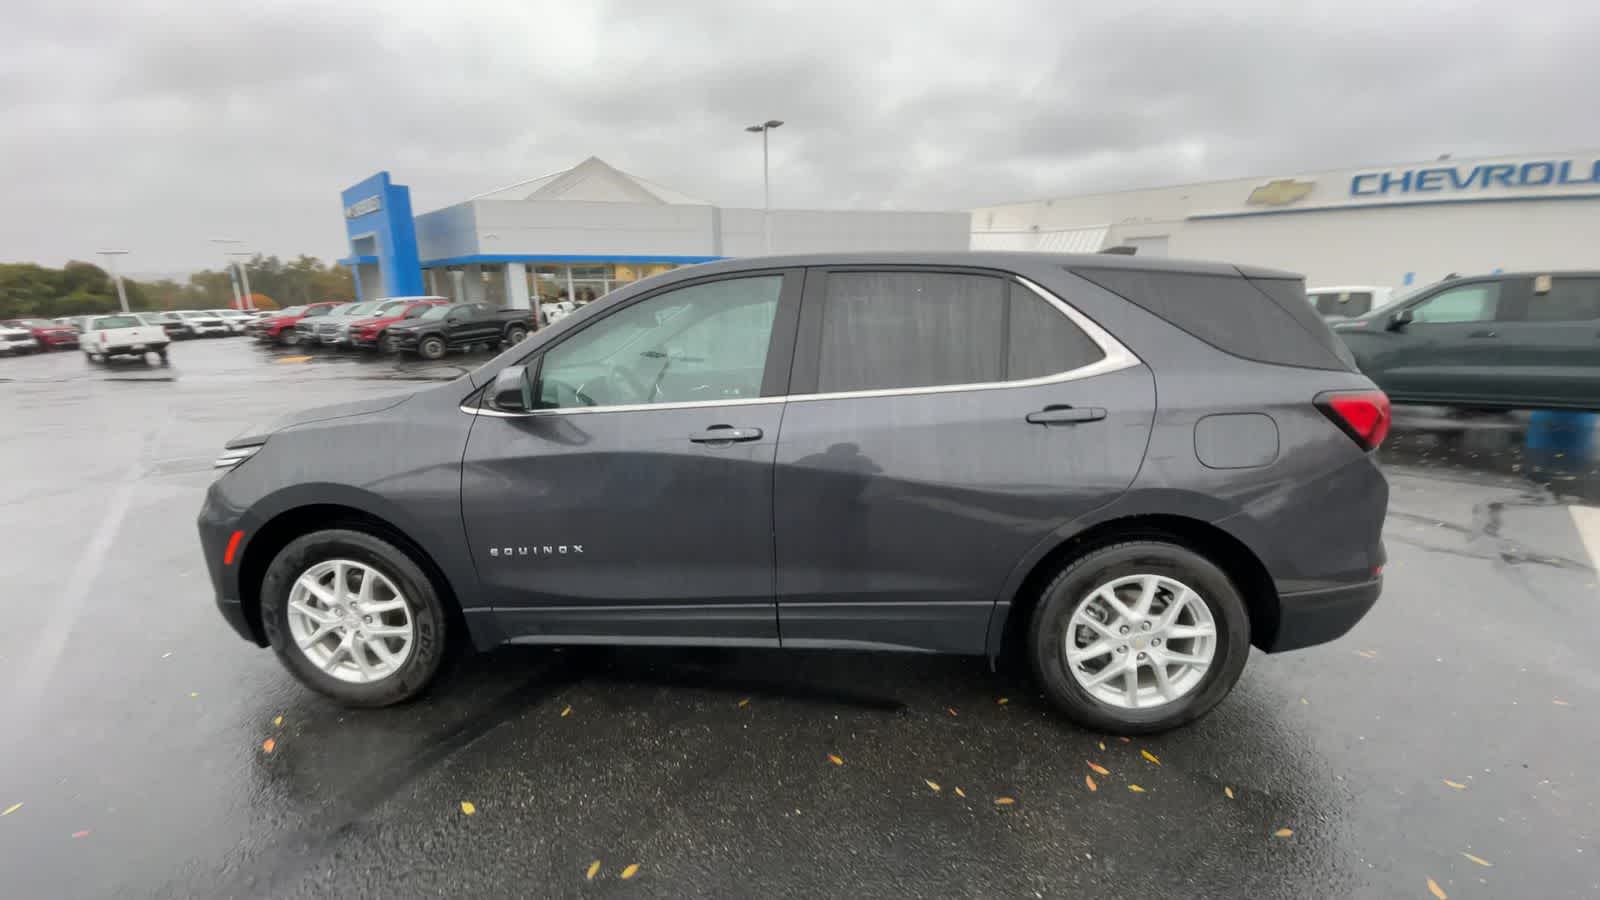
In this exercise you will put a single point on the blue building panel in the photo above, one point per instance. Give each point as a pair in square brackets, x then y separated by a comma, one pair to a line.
[379, 225]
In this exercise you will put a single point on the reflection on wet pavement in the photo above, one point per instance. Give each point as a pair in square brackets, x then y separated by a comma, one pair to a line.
[1553, 451]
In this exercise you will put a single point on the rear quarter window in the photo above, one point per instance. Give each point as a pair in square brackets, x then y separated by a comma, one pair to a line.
[1262, 319]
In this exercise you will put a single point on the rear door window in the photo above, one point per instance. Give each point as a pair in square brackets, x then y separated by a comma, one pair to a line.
[1568, 300]
[1342, 304]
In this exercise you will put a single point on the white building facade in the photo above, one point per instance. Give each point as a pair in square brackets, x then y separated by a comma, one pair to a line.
[1393, 226]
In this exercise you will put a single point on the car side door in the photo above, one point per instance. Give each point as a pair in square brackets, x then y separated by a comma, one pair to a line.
[630, 506]
[941, 423]
[1445, 347]
[1552, 347]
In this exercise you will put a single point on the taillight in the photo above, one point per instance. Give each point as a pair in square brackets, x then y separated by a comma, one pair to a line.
[1364, 415]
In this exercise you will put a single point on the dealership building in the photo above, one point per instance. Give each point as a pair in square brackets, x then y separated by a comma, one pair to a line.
[1393, 226]
[582, 232]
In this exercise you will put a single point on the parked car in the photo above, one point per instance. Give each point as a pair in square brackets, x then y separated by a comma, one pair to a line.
[373, 333]
[556, 310]
[122, 335]
[175, 327]
[333, 329]
[235, 319]
[203, 323]
[460, 325]
[48, 334]
[279, 327]
[1124, 470]
[16, 340]
[1347, 302]
[1517, 340]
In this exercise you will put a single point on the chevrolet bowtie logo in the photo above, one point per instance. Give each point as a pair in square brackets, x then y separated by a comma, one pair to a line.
[1279, 193]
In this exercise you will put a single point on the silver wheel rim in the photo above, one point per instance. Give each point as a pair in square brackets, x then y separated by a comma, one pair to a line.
[1141, 641]
[350, 621]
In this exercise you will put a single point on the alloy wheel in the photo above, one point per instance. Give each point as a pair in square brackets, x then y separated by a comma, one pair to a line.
[1140, 641]
[350, 621]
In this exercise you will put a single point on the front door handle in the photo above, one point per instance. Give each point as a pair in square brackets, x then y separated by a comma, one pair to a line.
[1484, 334]
[725, 434]
[1066, 415]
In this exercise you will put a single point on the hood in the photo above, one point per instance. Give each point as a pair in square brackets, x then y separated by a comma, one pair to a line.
[258, 434]
[407, 325]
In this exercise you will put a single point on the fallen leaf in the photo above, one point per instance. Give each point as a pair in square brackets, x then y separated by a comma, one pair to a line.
[11, 809]
[268, 745]
[932, 784]
[1455, 784]
[1228, 792]
[1003, 701]
[1434, 889]
[293, 359]
[277, 721]
[1102, 745]
[1478, 859]
[194, 693]
[166, 654]
[1560, 702]
[567, 711]
[85, 833]
[960, 792]
[1150, 756]
[1125, 740]
[951, 710]
[1099, 769]
[631, 870]
[1369, 654]
[1305, 702]
[745, 702]
[1283, 832]
[836, 759]
[1136, 789]
[1088, 781]
[467, 809]
[1004, 801]
[594, 869]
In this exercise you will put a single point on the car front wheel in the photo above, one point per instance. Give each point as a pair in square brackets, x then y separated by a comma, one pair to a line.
[353, 617]
[1139, 637]
[431, 347]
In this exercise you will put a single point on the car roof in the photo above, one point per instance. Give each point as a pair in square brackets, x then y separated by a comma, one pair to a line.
[1347, 287]
[420, 297]
[996, 259]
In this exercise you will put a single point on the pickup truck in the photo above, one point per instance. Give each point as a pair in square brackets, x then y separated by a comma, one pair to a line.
[439, 329]
[373, 333]
[125, 335]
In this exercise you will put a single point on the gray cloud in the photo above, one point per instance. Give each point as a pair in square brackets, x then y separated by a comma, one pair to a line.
[154, 125]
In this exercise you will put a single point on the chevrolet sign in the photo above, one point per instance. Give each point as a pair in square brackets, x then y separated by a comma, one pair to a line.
[361, 207]
[1280, 193]
[1436, 179]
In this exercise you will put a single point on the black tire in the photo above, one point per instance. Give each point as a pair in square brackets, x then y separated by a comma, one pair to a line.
[428, 615]
[1047, 634]
[387, 343]
[94, 358]
[516, 334]
[431, 347]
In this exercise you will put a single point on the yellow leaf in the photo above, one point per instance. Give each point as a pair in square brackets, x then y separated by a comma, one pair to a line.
[960, 792]
[467, 808]
[1434, 889]
[1150, 756]
[11, 809]
[268, 745]
[932, 784]
[836, 759]
[278, 722]
[194, 693]
[1099, 769]
[1003, 701]
[1004, 801]
[1136, 789]
[745, 702]
[594, 869]
[951, 710]
[1455, 784]
[566, 712]
[1102, 745]
[1228, 792]
[1283, 832]
[1088, 781]
[293, 359]
[1305, 702]
[1478, 859]
[630, 871]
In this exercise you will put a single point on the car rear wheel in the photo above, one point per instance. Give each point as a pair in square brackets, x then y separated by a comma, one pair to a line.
[516, 334]
[387, 343]
[354, 617]
[431, 347]
[1139, 637]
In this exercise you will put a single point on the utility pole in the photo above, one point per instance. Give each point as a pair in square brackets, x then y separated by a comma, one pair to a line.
[766, 179]
[111, 265]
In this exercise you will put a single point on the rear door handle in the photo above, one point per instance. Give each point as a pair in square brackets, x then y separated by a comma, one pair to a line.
[1066, 415]
[1484, 334]
[725, 434]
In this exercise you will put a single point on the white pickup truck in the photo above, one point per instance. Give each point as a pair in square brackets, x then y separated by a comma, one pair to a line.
[107, 336]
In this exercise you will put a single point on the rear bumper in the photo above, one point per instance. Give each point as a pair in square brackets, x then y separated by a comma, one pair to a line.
[1309, 618]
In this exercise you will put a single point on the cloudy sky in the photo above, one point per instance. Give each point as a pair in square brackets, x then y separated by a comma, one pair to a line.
[153, 125]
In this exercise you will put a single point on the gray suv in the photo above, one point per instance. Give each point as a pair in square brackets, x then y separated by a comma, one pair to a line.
[1124, 470]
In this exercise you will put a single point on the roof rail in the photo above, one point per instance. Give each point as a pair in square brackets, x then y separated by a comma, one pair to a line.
[1121, 250]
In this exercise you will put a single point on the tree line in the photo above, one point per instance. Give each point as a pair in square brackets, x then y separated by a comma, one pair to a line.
[78, 288]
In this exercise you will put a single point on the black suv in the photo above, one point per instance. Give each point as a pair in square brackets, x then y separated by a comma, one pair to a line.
[1509, 340]
[1125, 471]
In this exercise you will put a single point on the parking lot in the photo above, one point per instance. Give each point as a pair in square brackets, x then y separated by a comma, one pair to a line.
[1444, 748]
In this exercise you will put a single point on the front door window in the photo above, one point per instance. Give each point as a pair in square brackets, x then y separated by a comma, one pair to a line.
[1468, 303]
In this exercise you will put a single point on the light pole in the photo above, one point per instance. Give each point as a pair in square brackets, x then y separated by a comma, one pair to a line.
[766, 178]
[249, 298]
[239, 300]
[111, 263]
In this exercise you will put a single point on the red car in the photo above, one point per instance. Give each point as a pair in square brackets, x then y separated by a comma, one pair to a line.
[370, 333]
[49, 335]
[278, 328]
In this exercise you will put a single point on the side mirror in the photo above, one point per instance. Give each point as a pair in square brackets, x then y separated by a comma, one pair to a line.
[512, 390]
[1401, 319]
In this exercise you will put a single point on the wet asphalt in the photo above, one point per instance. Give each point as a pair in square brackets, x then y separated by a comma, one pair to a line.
[1446, 747]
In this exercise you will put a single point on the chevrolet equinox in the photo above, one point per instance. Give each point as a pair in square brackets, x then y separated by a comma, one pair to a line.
[1126, 471]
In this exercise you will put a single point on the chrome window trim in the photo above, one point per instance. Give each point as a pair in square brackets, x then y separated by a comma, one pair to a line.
[1117, 357]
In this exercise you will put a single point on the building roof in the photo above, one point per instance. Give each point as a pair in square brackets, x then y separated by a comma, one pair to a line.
[591, 181]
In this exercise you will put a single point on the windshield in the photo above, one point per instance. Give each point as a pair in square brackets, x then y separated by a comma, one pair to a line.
[359, 309]
[291, 311]
[109, 322]
[391, 308]
[229, 313]
[436, 312]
